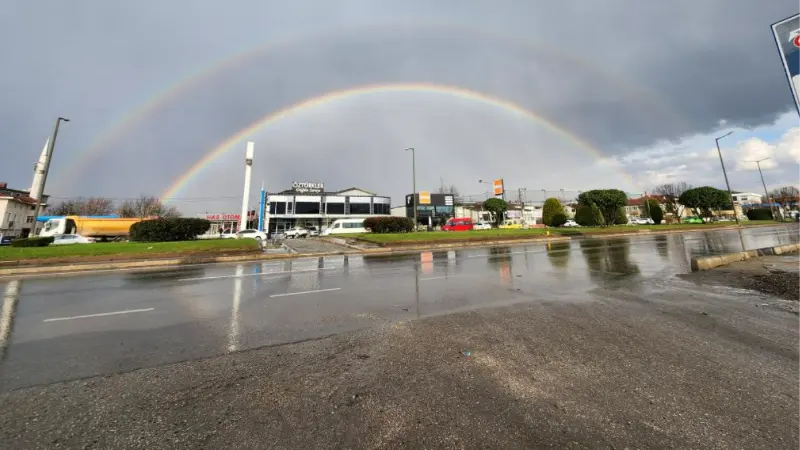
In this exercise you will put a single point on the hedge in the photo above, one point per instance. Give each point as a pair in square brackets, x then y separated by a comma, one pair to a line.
[389, 224]
[558, 219]
[588, 216]
[759, 214]
[33, 242]
[550, 208]
[163, 230]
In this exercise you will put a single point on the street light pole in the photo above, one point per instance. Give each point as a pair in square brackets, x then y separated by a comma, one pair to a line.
[766, 194]
[51, 144]
[413, 183]
[724, 173]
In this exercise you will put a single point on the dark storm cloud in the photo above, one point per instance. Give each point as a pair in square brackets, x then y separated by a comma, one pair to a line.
[680, 67]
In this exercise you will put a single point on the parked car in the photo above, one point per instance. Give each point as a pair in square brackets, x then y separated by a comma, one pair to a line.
[570, 223]
[5, 240]
[296, 232]
[68, 239]
[482, 226]
[642, 221]
[313, 231]
[692, 219]
[260, 236]
[228, 234]
[458, 224]
[511, 224]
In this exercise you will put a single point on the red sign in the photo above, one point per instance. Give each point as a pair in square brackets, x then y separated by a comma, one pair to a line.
[223, 216]
[250, 215]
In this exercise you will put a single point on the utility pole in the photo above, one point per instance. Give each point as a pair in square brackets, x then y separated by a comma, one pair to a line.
[521, 204]
[722, 163]
[766, 194]
[413, 183]
[647, 205]
[51, 144]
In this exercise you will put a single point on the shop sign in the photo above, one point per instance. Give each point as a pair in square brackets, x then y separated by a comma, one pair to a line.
[306, 187]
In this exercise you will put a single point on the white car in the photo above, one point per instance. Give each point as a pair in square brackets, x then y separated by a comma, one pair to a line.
[644, 221]
[570, 223]
[482, 226]
[68, 239]
[260, 236]
[228, 234]
[313, 231]
[296, 232]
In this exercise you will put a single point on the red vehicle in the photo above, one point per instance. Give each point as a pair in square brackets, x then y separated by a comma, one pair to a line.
[458, 224]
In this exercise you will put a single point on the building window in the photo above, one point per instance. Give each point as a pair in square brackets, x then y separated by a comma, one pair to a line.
[277, 208]
[306, 208]
[381, 208]
[290, 208]
[335, 208]
[359, 208]
[29, 219]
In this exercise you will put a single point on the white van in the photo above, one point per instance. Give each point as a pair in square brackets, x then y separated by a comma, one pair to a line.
[345, 226]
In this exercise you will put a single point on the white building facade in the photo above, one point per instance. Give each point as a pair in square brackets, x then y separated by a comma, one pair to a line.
[16, 212]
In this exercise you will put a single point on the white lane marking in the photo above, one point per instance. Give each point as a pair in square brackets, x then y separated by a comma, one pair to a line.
[256, 274]
[304, 292]
[128, 311]
[432, 278]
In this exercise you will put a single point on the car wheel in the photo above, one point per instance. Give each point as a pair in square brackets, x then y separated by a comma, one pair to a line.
[258, 239]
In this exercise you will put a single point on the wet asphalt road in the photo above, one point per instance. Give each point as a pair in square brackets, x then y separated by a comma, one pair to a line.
[62, 328]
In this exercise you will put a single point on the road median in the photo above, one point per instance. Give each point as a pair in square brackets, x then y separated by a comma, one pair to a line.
[711, 262]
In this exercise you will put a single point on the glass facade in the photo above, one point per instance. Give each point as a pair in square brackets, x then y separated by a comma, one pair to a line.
[335, 208]
[306, 208]
[359, 208]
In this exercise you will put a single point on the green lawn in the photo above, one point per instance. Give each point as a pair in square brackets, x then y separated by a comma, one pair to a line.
[479, 235]
[8, 253]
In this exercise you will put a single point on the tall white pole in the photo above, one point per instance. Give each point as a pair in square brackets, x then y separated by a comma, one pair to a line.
[248, 161]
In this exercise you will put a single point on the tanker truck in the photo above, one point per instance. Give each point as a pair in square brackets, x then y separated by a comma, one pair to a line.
[101, 228]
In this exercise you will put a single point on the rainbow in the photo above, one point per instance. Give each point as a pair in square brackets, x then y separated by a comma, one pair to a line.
[357, 91]
[127, 121]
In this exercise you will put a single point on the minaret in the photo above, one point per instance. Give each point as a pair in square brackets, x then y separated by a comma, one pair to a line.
[39, 172]
[248, 166]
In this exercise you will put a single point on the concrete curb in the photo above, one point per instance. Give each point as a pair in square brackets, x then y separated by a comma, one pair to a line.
[144, 264]
[710, 262]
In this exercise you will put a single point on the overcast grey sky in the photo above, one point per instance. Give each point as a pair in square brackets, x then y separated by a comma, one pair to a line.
[633, 79]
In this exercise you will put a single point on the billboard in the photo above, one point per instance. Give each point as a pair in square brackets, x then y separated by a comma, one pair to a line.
[498, 187]
[424, 198]
[787, 38]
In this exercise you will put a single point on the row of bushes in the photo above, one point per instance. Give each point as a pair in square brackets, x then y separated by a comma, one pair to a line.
[33, 242]
[165, 230]
[389, 224]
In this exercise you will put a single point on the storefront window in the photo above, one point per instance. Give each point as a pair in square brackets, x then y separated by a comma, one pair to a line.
[335, 208]
[359, 208]
[277, 207]
[306, 208]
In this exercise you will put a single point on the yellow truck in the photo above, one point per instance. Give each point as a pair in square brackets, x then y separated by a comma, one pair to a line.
[99, 228]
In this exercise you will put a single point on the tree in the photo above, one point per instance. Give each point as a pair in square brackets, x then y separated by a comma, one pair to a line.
[496, 206]
[608, 201]
[551, 207]
[449, 190]
[653, 210]
[558, 219]
[588, 216]
[621, 218]
[703, 200]
[786, 196]
[147, 206]
[672, 192]
[92, 206]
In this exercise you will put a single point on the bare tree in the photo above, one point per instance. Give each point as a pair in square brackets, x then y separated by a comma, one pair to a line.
[671, 192]
[787, 196]
[449, 190]
[147, 206]
[92, 206]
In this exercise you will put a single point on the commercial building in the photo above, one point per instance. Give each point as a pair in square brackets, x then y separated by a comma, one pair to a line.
[432, 209]
[747, 198]
[16, 211]
[309, 205]
[305, 205]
